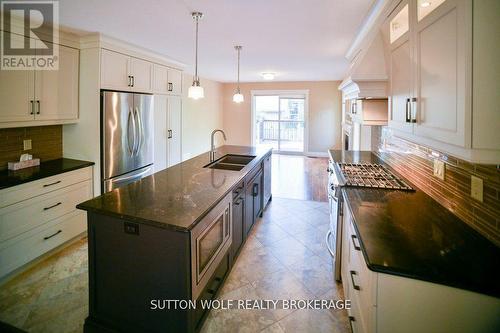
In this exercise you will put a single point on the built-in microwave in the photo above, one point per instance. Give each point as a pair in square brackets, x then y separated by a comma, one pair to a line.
[210, 240]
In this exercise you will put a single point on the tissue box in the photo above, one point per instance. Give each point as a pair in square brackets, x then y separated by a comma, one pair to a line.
[23, 164]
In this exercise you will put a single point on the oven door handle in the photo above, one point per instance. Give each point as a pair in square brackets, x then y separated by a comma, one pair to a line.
[328, 235]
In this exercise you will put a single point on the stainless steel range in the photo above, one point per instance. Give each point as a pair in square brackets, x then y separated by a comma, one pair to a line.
[353, 175]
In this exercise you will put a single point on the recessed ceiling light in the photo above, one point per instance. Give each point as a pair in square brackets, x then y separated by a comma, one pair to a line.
[268, 76]
[425, 4]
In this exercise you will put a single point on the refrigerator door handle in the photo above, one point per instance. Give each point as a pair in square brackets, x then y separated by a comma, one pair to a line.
[131, 116]
[139, 130]
[137, 175]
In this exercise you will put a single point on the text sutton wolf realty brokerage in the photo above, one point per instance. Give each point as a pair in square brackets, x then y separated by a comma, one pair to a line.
[29, 35]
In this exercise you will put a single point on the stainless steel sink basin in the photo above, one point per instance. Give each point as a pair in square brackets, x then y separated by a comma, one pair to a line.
[231, 162]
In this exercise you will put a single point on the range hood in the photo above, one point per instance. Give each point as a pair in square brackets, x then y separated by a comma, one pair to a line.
[367, 76]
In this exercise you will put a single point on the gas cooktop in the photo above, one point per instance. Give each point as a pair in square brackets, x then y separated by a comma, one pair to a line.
[373, 176]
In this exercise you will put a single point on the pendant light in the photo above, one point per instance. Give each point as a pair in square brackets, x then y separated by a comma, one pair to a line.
[238, 97]
[196, 91]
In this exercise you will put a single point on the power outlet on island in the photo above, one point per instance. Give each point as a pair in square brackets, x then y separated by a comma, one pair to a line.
[476, 188]
[439, 169]
[27, 144]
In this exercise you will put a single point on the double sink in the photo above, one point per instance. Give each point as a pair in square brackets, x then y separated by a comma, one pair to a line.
[231, 162]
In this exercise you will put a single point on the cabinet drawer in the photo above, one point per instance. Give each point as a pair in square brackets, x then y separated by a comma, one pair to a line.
[25, 215]
[29, 190]
[30, 245]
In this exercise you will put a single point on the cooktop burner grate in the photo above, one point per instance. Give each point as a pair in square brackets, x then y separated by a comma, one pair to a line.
[372, 175]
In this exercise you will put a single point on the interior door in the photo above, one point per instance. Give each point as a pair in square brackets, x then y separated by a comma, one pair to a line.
[56, 92]
[442, 52]
[175, 126]
[16, 92]
[400, 67]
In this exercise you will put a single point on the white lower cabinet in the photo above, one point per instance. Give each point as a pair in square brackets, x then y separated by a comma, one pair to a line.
[167, 133]
[389, 303]
[37, 217]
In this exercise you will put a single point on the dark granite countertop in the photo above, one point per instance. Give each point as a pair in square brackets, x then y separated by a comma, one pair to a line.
[410, 234]
[45, 169]
[176, 197]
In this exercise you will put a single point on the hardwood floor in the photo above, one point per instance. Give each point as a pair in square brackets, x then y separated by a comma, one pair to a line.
[299, 177]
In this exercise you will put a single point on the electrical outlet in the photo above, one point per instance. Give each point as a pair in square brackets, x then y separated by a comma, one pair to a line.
[27, 144]
[439, 169]
[476, 188]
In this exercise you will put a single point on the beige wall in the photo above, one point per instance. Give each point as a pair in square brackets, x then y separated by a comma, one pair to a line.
[200, 117]
[324, 112]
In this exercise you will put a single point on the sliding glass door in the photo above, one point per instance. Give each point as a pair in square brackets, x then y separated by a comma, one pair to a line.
[280, 122]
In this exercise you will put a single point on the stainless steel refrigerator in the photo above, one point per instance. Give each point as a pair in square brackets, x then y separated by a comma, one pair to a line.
[126, 138]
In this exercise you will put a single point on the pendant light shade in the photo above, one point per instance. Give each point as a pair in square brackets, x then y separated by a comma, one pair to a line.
[196, 90]
[238, 97]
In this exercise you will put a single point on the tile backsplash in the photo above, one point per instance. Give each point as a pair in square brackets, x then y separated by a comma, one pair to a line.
[415, 162]
[46, 143]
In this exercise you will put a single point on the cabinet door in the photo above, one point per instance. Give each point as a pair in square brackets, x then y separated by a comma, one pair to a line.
[258, 196]
[249, 209]
[16, 93]
[160, 81]
[114, 70]
[175, 81]
[267, 179]
[400, 69]
[160, 132]
[56, 92]
[142, 75]
[174, 126]
[238, 214]
[443, 73]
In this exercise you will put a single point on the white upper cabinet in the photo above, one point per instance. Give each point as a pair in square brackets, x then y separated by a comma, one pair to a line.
[126, 73]
[443, 82]
[114, 70]
[141, 73]
[41, 97]
[56, 92]
[16, 94]
[167, 80]
[175, 134]
[400, 84]
[442, 54]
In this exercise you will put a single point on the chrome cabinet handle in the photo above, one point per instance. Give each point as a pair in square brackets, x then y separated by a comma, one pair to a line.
[50, 207]
[133, 81]
[54, 183]
[255, 190]
[32, 107]
[37, 107]
[354, 285]
[413, 118]
[328, 234]
[407, 111]
[170, 86]
[169, 134]
[129, 82]
[351, 320]
[356, 247]
[54, 234]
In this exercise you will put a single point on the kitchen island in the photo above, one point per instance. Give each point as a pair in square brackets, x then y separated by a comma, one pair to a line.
[171, 236]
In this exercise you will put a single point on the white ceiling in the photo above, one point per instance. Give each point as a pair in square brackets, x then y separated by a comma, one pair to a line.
[297, 39]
